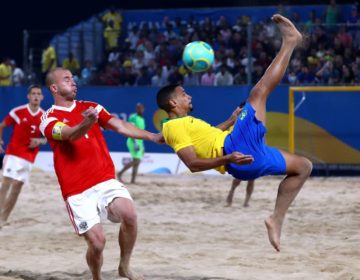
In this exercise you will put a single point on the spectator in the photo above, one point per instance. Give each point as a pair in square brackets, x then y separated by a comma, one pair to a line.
[353, 21]
[161, 77]
[139, 61]
[149, 53]
[48, 60]
[328, 74]
[87, 73]
[18, 76]
[344, 37]
[309, 24]
[127, 75]
[224, 77]
[332, 14]
[114, 55]
[347, 76]
[175, 77]
[208, 78]
[291, 78]
[110, 76]
[111, 36]
[240, 77]
[72, 64]
[191, 79]
[306, 77]
[115, 16]
[143, 78]
[5, 72]
[133, 36]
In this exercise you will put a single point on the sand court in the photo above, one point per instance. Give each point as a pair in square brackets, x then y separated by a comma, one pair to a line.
[186, 233]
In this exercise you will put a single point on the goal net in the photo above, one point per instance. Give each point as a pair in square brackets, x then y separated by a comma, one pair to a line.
[324, 126]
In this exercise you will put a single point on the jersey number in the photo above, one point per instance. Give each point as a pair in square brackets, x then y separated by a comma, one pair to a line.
[33, 129]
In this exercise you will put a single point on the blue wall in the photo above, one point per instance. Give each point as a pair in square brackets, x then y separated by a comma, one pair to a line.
[339, 115]
[232, 13]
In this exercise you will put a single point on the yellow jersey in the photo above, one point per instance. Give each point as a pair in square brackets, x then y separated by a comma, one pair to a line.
[72, 65]
[207, 140]
[5, 74]
[48, 59]
[115, 17]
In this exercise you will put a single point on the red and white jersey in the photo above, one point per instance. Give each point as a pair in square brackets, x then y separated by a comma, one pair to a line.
[26, 126]
[85, 162]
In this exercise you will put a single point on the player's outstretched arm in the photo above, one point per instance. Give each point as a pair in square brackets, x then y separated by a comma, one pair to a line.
[230, 121]
[130, 130]
[76, 132]
[195, 164]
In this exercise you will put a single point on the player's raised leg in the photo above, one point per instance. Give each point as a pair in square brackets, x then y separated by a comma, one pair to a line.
[291, 37]
[298, 169]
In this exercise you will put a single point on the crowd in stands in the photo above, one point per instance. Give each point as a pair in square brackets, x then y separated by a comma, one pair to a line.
[149, 54]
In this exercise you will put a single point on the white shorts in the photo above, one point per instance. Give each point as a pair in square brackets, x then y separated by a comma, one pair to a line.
[16, 168]
[89, 207]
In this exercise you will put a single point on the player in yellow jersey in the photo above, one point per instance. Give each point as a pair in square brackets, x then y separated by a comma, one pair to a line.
[249, 190]
[237, 146]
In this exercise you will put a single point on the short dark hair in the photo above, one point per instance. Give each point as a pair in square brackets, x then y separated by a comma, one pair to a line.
[29, 89]
[164, 95]
[50, 76]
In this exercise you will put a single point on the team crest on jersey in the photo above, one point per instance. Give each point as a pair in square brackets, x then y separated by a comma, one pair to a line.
[243, 114]
[25, 119]
[83, 225]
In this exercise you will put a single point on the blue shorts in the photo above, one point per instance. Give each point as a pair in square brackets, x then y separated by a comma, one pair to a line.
[247, 137]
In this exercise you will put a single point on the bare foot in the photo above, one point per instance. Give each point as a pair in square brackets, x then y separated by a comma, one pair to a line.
[288, 31]
[228, 202]
[246, 204]
[274, 232]
[129, 274]
[3, 223]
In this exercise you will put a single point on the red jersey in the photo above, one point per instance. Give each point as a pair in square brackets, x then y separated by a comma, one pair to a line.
[85, 162]
[26, 126]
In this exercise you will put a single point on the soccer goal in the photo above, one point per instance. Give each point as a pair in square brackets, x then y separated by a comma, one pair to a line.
[324, 125]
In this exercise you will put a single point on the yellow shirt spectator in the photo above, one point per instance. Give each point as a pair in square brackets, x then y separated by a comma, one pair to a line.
[207, 140]
[115, 17]
[48, 59]
[72, 64]
[5, 74]
[111, 37]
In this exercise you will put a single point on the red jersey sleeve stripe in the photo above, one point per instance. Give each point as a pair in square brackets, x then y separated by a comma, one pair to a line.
[14, 116]
[45, 122]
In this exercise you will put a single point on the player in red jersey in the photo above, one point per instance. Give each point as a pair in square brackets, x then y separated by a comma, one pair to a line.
[22, 149]
[86, 172]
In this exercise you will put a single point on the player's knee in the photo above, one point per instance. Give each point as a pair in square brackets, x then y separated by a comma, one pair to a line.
[258, 92]
[306, 167]
[129, 219]
[97, 243]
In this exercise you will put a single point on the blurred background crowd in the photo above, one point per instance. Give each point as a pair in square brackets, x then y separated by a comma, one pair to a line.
[148, 53]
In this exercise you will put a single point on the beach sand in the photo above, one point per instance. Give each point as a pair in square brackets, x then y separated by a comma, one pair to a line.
[186, 233]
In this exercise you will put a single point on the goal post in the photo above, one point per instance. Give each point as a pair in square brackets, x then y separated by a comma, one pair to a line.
[292, 90]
